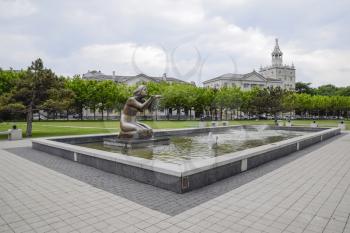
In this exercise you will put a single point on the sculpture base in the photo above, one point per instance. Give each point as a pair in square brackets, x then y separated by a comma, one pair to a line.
[136, 135]
[135, 143]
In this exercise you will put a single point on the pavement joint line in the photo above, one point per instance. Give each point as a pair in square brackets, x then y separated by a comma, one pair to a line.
[348, 187]
[347, 223]
[311, 202]
[318, 177]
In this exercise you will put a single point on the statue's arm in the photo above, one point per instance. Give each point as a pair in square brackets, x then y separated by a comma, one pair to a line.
[140, 106]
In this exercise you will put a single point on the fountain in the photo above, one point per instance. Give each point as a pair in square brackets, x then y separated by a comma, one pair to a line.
[212, 142]
[179, 160]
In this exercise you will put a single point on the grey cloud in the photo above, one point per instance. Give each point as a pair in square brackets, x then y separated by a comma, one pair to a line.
[69, 34]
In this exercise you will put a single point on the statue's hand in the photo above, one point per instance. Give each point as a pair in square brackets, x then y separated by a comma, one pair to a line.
[157, 96]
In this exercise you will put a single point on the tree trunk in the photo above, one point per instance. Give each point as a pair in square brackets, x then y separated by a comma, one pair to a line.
[29, 121]
[102, 114]
[67, 114]
[81, 113]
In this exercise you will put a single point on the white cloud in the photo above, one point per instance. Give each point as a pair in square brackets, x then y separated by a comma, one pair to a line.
[16, 8]
[124, 58]
[324, 66]
[232, 36]
[183, 12]
[18, 50]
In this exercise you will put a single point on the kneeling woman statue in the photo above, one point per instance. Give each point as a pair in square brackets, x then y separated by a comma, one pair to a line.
[129, 127]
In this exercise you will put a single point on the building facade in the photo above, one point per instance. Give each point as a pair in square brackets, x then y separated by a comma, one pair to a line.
[129, 80]
[275, 75]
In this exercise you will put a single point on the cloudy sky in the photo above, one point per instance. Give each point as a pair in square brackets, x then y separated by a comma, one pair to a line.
[189, 39]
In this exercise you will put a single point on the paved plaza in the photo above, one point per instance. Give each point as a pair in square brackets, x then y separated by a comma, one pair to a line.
[307, 191]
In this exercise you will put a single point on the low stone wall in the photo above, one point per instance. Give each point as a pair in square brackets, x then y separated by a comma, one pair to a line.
[265, 157]
[179, 178]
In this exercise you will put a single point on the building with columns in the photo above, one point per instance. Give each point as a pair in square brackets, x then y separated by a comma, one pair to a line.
[275, 75]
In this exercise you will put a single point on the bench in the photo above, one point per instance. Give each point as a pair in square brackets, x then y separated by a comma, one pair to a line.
[5, 132]
[12, 134]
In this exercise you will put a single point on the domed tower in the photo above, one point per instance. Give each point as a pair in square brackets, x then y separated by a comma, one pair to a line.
[277, 55]
[278, 71]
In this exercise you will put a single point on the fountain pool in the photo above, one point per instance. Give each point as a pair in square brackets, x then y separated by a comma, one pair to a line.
[202, 146]
[194, 158]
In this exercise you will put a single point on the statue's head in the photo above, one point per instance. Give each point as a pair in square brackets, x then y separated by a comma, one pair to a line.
[141, 91]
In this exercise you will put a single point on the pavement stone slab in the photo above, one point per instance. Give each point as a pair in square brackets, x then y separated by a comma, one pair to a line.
[308, 191]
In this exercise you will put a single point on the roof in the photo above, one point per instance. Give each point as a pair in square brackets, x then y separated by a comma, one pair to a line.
[240, 77]
[98, 75]
[227, 76]
[277, 50]
[253, 73]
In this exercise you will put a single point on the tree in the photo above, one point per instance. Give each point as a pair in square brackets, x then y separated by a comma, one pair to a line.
[228, 98]
[79, 87]
[275, 102]
[33, 90]
[61, 99]
[9, 108]
[303, 103]
[343, 91]
[8, 79]
[289, 101]
[260, 100]
[305, 88]
[248, 98]
[92, 96]
[203, 100]
[329, 90]
[104, 93]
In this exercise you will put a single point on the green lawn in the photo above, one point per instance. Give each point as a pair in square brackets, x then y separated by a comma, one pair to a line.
[58, 128]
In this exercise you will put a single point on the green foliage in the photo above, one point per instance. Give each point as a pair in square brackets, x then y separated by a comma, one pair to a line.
[38, 88]
[8, 79]
[305, 88]
[328, 90]
[325, 90]
[81, 96]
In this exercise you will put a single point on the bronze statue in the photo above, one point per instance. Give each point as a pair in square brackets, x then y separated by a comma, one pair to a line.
[129, 127]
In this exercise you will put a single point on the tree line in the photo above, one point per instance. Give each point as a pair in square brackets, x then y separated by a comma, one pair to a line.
[325, 90]
[38, 89]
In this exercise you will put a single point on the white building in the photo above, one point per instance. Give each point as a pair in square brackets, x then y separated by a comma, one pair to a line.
[129, 80]
[271, 76]
[244, 81]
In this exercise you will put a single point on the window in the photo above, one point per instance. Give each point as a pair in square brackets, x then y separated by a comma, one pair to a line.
[246, 85]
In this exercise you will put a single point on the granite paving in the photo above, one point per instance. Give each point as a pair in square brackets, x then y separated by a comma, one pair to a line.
[307, 191]
[152, 197]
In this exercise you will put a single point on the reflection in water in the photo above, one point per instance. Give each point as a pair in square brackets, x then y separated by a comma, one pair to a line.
[197, 146]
